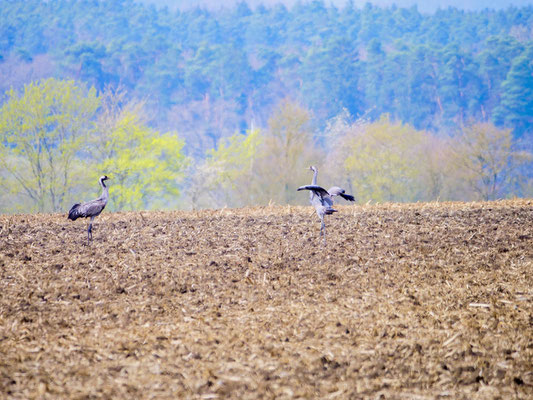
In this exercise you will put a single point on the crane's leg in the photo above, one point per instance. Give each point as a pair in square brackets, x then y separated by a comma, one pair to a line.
[323, 228]
[90, 231]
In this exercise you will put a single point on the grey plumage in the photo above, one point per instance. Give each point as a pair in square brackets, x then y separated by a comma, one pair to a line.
[91, 209]
[332, 191]
[320, 192]
[322, 199]
[337, 191]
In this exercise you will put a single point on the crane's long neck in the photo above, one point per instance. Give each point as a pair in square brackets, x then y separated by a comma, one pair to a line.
[315, 174]
[313, 182]
[105, 191]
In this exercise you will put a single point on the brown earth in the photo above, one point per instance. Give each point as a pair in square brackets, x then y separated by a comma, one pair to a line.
[405, 302]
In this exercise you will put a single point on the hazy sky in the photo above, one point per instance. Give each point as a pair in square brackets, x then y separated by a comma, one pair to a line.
[423, 5]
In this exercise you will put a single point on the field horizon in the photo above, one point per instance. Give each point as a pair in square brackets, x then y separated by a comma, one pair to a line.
[406, 301]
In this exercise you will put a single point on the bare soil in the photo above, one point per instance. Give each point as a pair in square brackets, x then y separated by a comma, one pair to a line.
[404, 302]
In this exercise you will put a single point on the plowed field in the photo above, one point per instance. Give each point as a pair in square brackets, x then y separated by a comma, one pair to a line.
[404, 302]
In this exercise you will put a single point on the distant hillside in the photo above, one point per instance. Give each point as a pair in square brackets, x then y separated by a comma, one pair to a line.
[210, 73]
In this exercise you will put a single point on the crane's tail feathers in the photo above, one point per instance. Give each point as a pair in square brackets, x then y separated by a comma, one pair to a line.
[330, 211]
[348, 197]
[73, 214]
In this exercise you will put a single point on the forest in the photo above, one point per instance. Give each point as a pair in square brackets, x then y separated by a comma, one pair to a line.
[210, 108]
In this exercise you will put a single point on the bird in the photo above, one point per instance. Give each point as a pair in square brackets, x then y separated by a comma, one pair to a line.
[91, 209]
[322, 199]
[334, 190]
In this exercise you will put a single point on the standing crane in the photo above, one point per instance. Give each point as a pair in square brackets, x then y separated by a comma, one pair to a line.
[322, 199]
[91, 209]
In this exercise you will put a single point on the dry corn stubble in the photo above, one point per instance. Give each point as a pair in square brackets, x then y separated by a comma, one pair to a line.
[405, 301]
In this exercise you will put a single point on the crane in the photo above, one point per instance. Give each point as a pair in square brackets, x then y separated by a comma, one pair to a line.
[91, 209]
[332, 191]
[322, 199]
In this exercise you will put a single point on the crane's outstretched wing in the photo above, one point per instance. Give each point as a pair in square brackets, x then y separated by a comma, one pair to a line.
[337, 191]
[321, 193]
[319, 190]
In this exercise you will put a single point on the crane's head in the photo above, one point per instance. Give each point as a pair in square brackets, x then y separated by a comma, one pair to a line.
[104, 178]
[313, 168]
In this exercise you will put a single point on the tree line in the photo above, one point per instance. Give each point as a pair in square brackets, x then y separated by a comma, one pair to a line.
[210, 73]
[59, 136]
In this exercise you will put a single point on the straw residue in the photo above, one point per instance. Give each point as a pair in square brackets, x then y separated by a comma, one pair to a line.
[405, 301]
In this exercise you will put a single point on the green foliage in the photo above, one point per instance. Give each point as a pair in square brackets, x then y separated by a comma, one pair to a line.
[517, 97]
[210, 72]
[52, 154]
[87, 58]
[386, 161]
[44, 131]
[226, 176]
[288, 149]
[145, 166]
[381, 161]
[483, 162]
[432, 71]
[234, 156]
[331, 71]
[258, 168]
